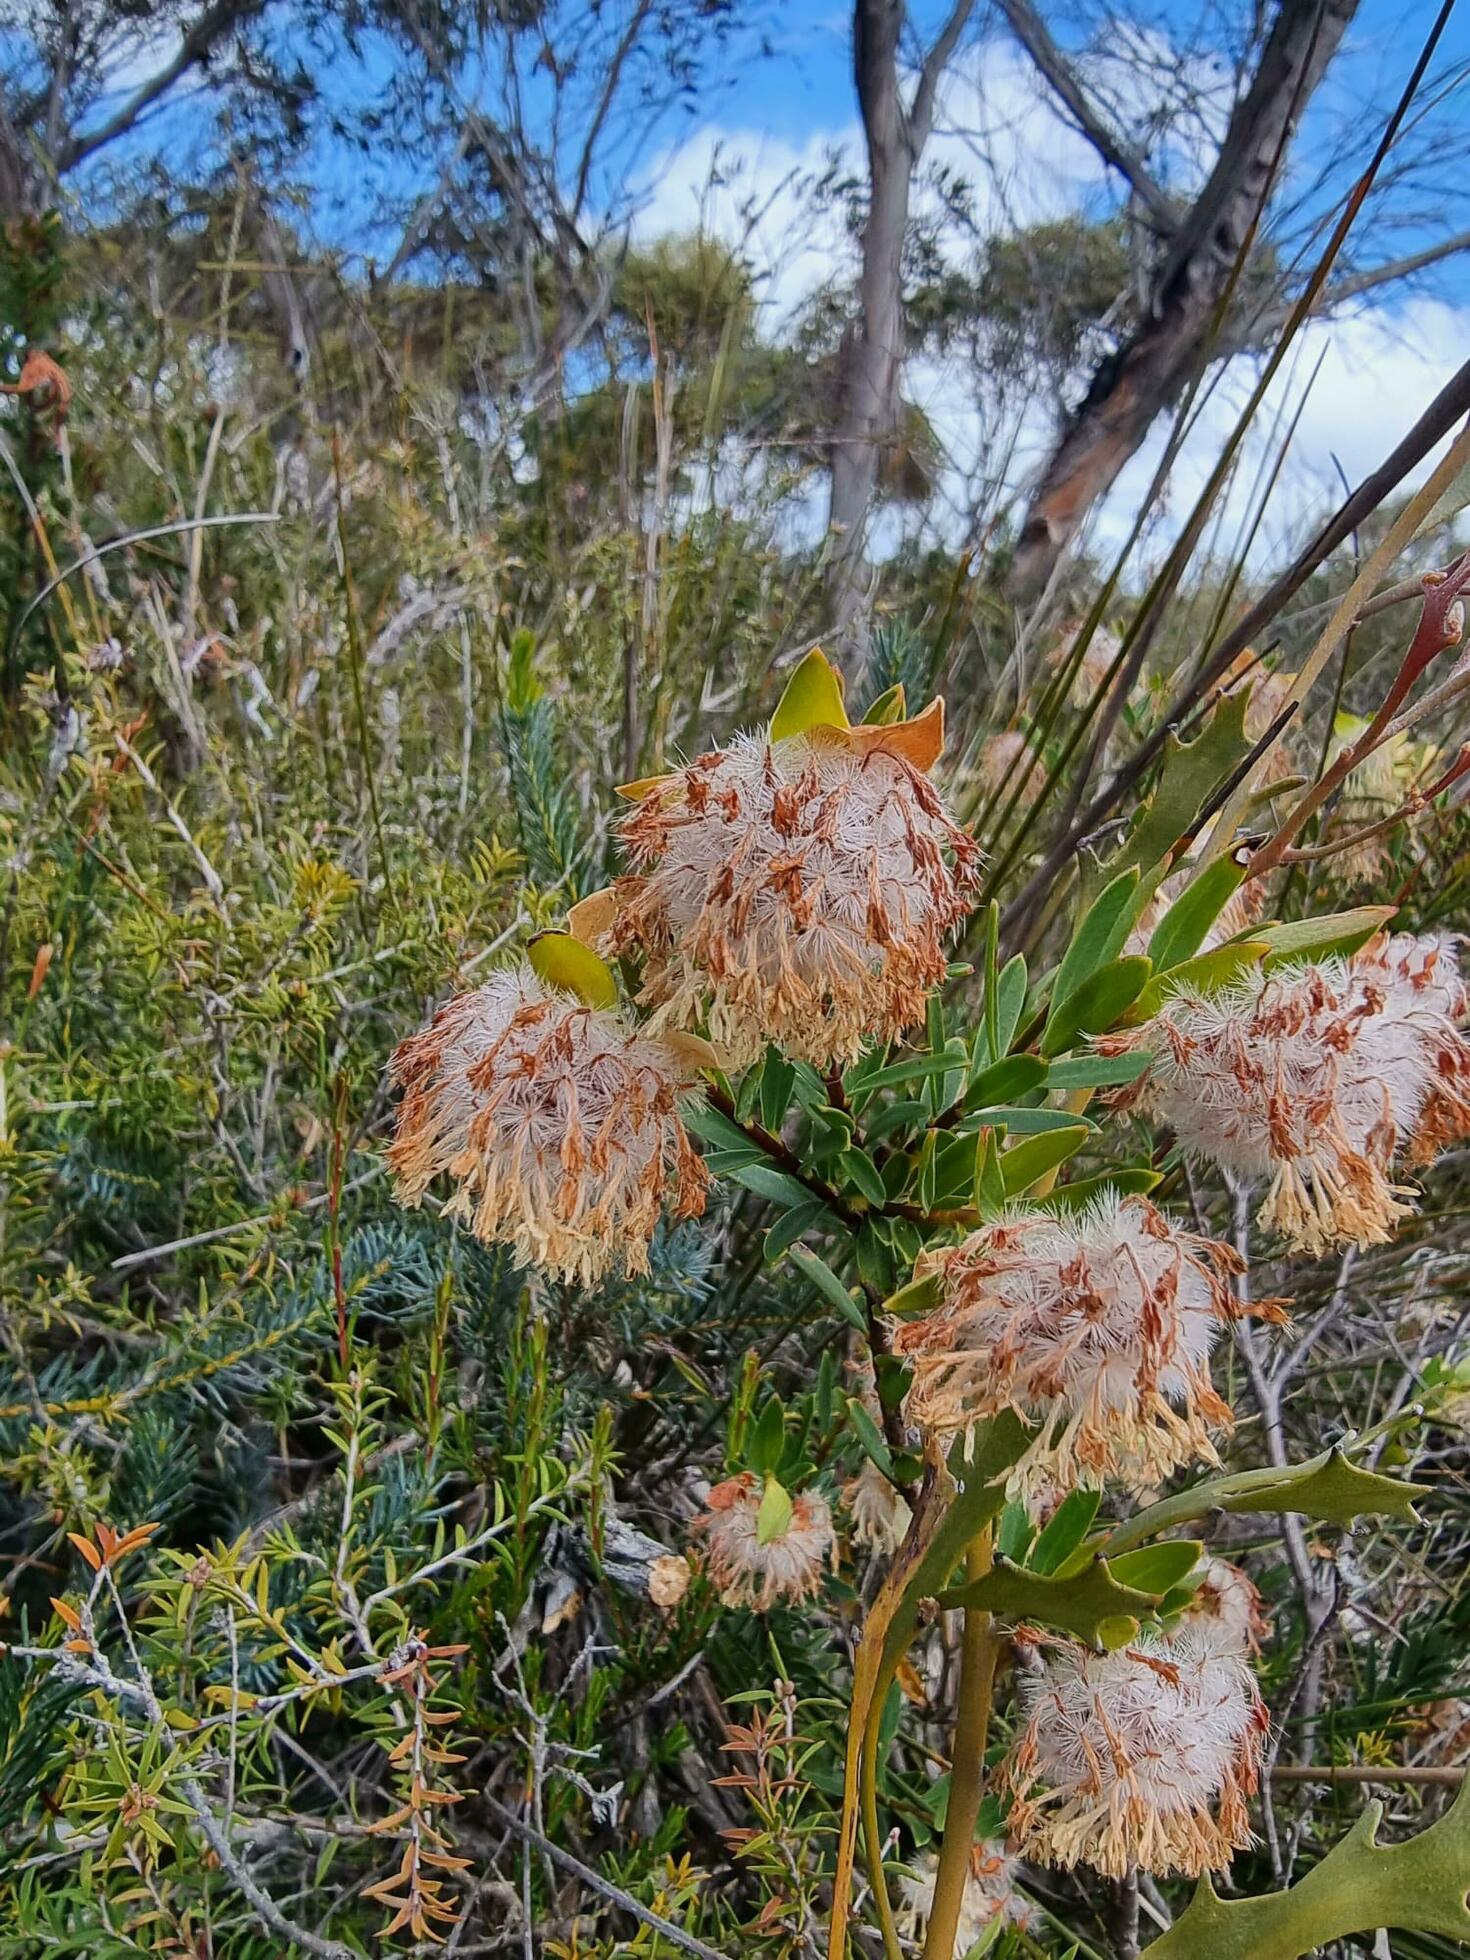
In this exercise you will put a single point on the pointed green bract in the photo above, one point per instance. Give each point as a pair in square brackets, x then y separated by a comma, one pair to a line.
[891, 706]
[813, 699]
[773, 1519]
[572, 968]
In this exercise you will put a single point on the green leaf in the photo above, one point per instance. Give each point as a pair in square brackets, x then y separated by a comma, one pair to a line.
[1181, 932]
[1016, 1075]
[1021, 1166]
[861, 1172]
[990, 1180]
[870, 1436]
[1064, 1531]
[786, 1231]
[572, 968]
[767, 1438]
[890, 706]
[1014, 1533]
[1102, 999]
[1009, 1004]
[1188, 776]
[1207, 973]
[1418, 1885]
[773, 1519]
[1314, 939]
[1025, 1121]
[1132, 1181]
[1329, 1487]
[1157, 1569]
[919, 1296]
[777, 1077]
[1098, 1071]
[1100, 934]
[828, 1285]
[813, 699]
[912, 1070]
[712, 1126]
[1080, 1602]
[778, 1186]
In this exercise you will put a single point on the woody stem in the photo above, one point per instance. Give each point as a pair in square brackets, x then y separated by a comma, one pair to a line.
[979, 1651]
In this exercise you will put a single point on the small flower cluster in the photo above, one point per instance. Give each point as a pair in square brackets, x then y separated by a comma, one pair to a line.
[1096, 1322]
[755, 1567]
[798, 892]
[1319, 1078]
[1147, 1756]
[990, 1896]
[558, 1123]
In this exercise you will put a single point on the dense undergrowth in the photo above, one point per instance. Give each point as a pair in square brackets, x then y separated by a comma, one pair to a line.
[330, 742]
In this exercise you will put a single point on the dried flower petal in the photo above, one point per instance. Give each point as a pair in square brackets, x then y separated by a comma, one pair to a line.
[797, 892]
[558, 1123]
[1101, 1320]
[880, 1514]
[990, 1894]
[1143, 1757]
[788, 1566]
[1227, 1607]
[1317, 1077]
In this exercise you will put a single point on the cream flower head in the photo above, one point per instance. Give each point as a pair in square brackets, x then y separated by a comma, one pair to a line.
[1096, 1322]
[880, 1514]
[558, 1123]
[795, 888]
[1142, 1757]
[990, 1894]
[787, 1566]
[1227, 1607]
[1316, 1077]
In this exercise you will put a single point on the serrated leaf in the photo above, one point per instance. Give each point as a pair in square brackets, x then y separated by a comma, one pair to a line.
[1082, 1602]
[1023, 1164]
[812, 699]
[572, 968]
[1314, 939]
[1181, 932]
[773, 1519]
[1101, 1001]
[1189, 774]
[1417, 1885]
[1330, 1488]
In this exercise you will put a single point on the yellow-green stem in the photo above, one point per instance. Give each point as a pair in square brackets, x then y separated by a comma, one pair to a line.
[979, 1651]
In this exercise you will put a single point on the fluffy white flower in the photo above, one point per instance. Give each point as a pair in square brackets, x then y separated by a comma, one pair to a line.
[990, 1894]
[1098, 1321]
[788, 1566]
[558, 1124]
[799, 892]
[1142, 1757]
[1317, 1078]
[880, 1514]
[1227, 1607]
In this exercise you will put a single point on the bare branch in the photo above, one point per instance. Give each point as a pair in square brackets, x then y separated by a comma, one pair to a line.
[1031, 31]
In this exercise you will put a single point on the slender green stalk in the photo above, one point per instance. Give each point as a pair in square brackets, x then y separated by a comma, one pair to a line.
[979, 1651]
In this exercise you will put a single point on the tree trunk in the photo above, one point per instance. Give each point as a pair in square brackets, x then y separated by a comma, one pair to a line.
[872, 349]
[1150, 371]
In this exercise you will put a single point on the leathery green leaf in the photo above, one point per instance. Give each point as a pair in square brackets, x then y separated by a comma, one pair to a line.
[813, 699]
